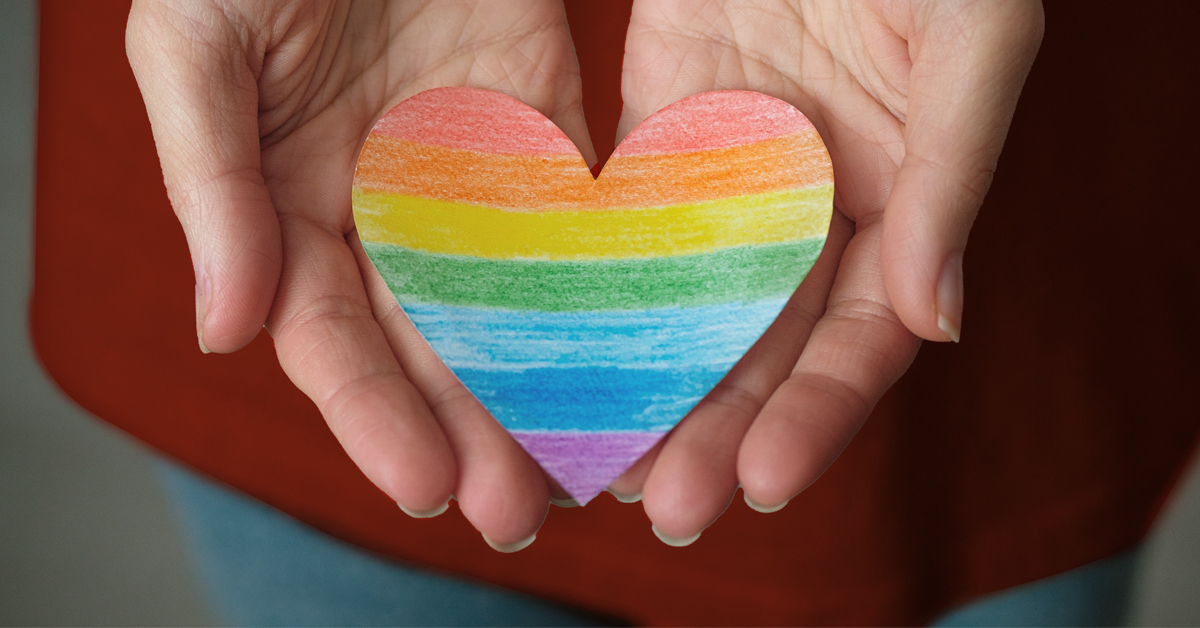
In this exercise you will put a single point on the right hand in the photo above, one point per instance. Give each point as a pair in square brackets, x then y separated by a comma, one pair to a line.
[259, 109]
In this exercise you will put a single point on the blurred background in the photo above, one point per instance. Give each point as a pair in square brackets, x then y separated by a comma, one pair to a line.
[86, 536]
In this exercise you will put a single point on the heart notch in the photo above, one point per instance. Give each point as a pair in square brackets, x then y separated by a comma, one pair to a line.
[589, 315]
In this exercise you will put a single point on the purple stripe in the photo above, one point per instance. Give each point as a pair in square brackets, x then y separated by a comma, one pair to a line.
[584, 463]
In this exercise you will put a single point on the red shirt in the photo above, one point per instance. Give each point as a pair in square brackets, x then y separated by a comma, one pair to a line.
[1047, 439]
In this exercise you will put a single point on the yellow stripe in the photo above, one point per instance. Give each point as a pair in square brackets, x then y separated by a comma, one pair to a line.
[458, 229]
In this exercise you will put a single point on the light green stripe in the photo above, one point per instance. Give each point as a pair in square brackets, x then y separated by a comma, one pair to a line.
[745, 274]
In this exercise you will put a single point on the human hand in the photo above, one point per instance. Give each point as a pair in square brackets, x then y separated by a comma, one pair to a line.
[913, 100]
[259, 109]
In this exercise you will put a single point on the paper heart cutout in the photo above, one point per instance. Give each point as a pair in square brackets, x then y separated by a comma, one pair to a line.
[590, 315]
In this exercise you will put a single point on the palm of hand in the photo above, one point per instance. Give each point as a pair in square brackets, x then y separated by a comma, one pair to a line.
[294, 108]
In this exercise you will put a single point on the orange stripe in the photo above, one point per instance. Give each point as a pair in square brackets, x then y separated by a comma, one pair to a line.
[790, 162]
[550, 182]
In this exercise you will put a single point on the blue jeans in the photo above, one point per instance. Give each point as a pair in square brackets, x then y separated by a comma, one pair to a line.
[259, 567]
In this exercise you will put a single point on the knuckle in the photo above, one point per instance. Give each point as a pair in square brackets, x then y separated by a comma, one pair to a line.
[872, 343]
[735, 398]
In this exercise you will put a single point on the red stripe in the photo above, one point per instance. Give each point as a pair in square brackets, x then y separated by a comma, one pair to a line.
[713, 120]
[477, 120]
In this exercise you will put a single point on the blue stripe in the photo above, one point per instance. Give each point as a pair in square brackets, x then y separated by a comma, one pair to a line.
[590, 399]
[713, 336]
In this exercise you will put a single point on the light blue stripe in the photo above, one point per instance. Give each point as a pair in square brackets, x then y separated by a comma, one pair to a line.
[714, 336]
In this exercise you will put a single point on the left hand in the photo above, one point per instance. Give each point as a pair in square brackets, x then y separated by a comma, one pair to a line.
[913, 99]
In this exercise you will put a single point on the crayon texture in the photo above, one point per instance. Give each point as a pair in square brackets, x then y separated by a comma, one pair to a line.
[589, 315]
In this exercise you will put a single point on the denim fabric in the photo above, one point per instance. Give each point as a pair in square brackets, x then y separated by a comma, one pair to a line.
[1096, 594]
[260, 567]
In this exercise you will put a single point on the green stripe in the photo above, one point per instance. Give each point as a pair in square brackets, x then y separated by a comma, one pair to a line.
[745, 273]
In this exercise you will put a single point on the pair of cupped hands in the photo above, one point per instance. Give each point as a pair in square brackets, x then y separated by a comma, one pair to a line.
[260, 107]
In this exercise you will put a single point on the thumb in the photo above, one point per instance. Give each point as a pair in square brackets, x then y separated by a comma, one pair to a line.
[968, 68]
[202, 99]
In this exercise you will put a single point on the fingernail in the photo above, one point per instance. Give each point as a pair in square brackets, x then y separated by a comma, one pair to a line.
[564, 503]
[425, 514]
[508, 548]
[761, 508]
[672, 541]
[624, 498]
[950, 298]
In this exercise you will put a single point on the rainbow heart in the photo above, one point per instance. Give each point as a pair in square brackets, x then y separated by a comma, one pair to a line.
[590, 315]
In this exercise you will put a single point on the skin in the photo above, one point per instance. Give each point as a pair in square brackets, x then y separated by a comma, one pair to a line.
[913, 100]
[259, 109]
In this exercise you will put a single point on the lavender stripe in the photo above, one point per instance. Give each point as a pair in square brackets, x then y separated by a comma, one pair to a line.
[586, 462]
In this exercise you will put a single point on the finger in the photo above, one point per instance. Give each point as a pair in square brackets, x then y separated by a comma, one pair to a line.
[968, 68]
[500, 489]
[332, 348]
[628, 487]
[201, 97]
[558, 495]
[855, 352]
[695, 475]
